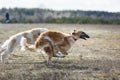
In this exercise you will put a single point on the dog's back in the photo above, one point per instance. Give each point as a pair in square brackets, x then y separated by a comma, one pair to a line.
[53, 36]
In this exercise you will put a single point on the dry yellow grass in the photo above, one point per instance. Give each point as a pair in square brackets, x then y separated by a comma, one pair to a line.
[95, 59]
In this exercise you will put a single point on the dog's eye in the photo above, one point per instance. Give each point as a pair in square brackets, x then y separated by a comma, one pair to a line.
[73, 33]
[38, 33]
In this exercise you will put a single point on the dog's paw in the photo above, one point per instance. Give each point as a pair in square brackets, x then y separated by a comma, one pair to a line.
[60, 55]
[22, 49]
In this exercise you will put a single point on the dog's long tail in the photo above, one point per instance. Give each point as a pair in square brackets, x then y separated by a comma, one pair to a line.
[0, 44]
[0, 47]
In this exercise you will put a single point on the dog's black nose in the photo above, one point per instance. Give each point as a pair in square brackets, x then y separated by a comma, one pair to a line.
[87, 36]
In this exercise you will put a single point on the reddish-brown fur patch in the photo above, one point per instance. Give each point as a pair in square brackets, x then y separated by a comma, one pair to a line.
[28, 39]
[35, 34]
[57, 37]
[13, 43]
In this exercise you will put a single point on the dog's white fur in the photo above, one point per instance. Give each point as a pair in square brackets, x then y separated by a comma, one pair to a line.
[54, 41]
[23, 39]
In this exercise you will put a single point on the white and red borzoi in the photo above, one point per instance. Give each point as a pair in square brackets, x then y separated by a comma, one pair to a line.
[23, 39]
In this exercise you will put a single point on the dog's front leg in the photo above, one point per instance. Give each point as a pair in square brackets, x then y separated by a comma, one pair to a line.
[31, 47]
[23, 43]
[61, 50]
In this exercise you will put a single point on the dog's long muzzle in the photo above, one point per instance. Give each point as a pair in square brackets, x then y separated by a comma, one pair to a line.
[84, 36]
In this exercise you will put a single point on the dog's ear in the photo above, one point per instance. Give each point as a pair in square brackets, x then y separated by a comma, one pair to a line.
[74, 32]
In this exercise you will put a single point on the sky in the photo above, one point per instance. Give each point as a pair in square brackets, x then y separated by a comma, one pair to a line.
[92, 5]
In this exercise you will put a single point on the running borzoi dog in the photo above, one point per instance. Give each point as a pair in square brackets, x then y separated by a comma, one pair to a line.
[53, 41]
[23, 39]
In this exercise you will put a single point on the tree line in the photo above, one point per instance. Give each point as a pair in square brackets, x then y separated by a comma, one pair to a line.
[35, 15]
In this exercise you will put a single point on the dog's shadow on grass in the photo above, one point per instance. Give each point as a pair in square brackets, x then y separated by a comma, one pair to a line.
[61, 65]
[67, 65]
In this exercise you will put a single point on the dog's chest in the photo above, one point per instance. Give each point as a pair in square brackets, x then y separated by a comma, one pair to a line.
[67, 43]
[71, 41]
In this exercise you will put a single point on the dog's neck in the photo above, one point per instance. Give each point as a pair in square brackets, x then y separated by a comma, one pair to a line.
[74, 38]
[71, 40]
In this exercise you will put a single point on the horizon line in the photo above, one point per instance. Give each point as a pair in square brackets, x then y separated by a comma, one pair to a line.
[62, 9]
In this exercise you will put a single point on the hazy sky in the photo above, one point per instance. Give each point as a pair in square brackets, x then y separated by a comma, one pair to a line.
[101, 5]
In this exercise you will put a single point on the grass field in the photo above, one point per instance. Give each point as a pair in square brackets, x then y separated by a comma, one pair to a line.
[97, 58]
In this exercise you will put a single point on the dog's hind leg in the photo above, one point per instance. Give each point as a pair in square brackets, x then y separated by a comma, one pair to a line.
[4, 45]
[49, 53]
[9, 49]
[3, 55]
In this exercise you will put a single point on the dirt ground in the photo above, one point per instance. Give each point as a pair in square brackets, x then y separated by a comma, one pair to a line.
[97, 58]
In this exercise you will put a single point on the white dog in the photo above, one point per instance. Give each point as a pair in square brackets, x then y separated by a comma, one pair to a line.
[23, 39]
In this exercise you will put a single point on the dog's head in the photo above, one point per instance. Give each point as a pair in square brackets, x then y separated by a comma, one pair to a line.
[37, 31]
[80, 34]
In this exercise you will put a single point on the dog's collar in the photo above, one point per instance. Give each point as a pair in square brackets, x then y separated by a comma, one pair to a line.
[74, 38]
